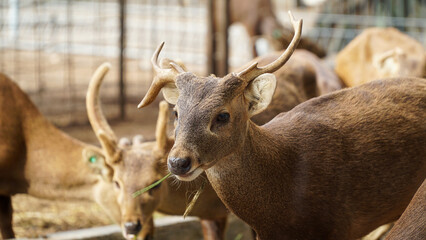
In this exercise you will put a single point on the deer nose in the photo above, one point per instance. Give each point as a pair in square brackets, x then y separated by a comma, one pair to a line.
[133, 227]
[179, 166]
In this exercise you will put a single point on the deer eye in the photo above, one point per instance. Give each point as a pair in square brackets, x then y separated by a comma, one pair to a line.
[175, 113]
[222, 117]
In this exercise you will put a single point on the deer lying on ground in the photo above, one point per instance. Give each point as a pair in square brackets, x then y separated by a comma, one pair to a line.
[304, 77]
[320, 171]
[380, 53]
[38, 159]
[412, 224]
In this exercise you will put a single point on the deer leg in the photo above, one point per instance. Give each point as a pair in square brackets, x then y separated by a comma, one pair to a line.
[214, 230]
[6, 217]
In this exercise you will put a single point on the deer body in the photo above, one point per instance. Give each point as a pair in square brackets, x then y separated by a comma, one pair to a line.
[314, 174]
[38, 159]
[334, 167]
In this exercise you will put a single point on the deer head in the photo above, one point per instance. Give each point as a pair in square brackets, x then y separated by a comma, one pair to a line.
[213, 113]
[135, 164]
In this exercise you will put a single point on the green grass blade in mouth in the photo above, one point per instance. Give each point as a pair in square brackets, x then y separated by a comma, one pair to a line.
[145, 189]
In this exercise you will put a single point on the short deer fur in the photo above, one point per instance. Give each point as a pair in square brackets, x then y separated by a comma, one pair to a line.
[379, 53]
[412, 224]
[38, 159]
[138, 164]
[334, 167]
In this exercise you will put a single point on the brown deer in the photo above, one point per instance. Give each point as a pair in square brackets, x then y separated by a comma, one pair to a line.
[38, 159]
[412, 224]
[138, 164]
[333, 167]
[380, 53]
[302, 78]
[259, 19]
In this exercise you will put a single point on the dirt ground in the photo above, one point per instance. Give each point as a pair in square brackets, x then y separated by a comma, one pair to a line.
[37, 217]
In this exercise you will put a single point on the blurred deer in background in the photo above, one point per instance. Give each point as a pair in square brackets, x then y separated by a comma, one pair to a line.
[320, 171]
[380, 53]
[260, 20]
[138, 164]
[38, 159]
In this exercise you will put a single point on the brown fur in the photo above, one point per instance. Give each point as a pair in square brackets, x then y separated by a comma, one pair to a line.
[380, 53]
[259, 19]
[412, 224]
[38, 159]
[319, 171]
[301, 78]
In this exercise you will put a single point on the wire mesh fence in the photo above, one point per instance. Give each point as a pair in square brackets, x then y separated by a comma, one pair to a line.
[51, 48]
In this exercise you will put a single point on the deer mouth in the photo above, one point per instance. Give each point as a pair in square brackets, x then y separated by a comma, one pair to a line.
[191, 175]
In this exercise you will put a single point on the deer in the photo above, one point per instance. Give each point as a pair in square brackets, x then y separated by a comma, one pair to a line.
[302, 78]
[259, 19]
[319, 171]
[38, 159]
[380, 53]
[411, 224]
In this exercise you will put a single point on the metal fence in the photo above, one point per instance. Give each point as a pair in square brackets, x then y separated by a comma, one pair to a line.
[51, 47]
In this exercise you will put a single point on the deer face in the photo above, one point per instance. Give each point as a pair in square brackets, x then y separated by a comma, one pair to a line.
[211, 117]
[212, 113]
[138, 167]
[135, 165]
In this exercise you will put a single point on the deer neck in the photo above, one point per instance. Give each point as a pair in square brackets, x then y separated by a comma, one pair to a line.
[254, 162]
[54, 167]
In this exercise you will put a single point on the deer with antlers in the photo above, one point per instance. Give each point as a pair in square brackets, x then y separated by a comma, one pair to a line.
[334, 167]
[303, 77]
[38, 159]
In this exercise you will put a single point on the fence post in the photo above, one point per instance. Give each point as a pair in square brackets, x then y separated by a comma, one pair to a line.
[122, 64]
[218, 49]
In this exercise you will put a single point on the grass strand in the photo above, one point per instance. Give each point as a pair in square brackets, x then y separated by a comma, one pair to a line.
[145, 189]
[194, 199]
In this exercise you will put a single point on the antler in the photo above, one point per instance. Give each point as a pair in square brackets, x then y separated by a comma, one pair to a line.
[163, 76]
[253, 70]
[94, 111]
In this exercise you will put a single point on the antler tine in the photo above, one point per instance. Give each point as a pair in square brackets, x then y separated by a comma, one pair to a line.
[253, 70]
[94, 111]
[154, 59]
[163, 76]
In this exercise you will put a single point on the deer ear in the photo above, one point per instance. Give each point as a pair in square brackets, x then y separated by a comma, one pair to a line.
[108, 144]
[170, 93]
[96, 162]
[259, 93]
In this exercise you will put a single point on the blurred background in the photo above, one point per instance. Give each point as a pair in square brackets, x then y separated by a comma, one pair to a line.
[51, 48]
